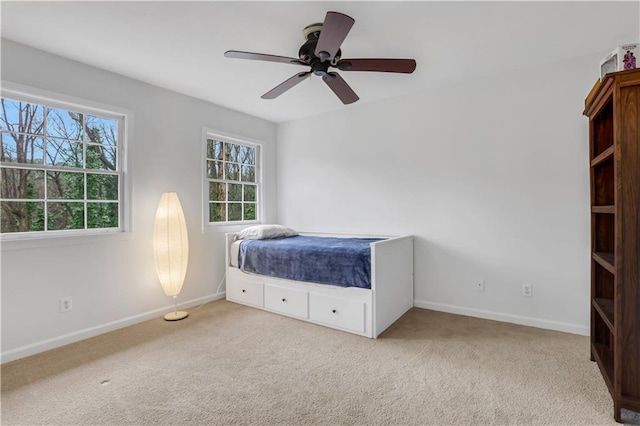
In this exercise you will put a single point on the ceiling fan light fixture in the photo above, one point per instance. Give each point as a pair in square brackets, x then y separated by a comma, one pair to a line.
[319, 67]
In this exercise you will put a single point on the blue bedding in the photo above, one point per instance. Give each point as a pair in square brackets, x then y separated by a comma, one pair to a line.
[344, 262]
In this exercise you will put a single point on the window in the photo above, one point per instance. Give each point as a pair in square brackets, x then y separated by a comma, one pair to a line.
[232, 182]
[61, 167]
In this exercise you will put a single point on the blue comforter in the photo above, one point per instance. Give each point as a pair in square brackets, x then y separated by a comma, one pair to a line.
[344, 262]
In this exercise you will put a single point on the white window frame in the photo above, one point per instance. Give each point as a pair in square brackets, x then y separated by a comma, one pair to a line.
[208, 133]
[23, 93]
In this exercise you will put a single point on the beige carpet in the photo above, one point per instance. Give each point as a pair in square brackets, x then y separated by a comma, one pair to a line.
[229, 364]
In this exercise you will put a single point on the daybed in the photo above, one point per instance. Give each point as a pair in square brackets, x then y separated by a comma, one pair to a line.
[363, 311]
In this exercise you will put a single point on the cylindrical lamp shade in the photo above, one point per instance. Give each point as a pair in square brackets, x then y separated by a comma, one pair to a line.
[171, 244]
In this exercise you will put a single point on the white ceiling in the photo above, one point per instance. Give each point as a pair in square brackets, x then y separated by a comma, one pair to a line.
[180, 45]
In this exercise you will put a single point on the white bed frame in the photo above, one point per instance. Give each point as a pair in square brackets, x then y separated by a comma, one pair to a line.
[366, 312]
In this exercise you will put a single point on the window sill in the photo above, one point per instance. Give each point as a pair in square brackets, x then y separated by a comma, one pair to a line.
[223, 228]
[26, 242]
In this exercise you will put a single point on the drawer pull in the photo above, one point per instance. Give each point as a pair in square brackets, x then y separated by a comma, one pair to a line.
[284, 300]
[334, 311]
[244, 291]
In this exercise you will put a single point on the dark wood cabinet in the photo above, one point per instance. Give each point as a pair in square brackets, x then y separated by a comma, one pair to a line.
[613, 108]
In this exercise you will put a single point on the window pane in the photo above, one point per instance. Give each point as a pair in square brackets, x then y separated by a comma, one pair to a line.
[22, 117]
[67, 185]
[217, 212]
[214, 170]
[102, 130]
[232, 171]
[231, 165]
[215, 149]
[102, 215]
[248, 173]
[235, 211]
[217, 191]
[101, 157]
[247, 155]
[231, 152]
[18, 147]
[249, 192]
[235, 192]
[249, 211]
[21, 216]
[65, 216]
[74, 143]
[209, 148]
[102, 187]
[13, 187]
[64, 124]
[64, 153]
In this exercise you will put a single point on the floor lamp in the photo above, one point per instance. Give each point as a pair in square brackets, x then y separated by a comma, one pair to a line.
[171, 249]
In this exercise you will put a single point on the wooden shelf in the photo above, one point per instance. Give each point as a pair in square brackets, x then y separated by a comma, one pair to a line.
[606, 260]
[605, 361]
[603, 209]
[614, 157]
[632, 403]
[606, 154]
[605, 308]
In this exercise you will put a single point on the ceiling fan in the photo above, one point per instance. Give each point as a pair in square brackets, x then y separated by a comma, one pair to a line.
[320, 51]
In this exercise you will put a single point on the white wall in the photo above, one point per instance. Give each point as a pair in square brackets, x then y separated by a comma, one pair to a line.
[113, 280]
[491, 176]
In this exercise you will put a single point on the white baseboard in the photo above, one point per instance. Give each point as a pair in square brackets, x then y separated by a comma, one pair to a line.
[76, 336]
[66, 339]
[499, 316]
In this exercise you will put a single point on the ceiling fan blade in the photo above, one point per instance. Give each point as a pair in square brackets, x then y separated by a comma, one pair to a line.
[334, 30]
[262, 57]
[286, 85]
[340, 88]
[382, 65]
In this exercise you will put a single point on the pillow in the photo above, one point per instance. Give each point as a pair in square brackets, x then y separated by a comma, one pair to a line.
[262, 232]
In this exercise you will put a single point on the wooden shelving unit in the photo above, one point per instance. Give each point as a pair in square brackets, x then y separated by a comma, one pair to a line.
[613, 108]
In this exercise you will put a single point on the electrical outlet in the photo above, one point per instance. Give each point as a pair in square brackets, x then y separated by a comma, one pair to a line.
[527, 290]
[65, 304]
[479, 285]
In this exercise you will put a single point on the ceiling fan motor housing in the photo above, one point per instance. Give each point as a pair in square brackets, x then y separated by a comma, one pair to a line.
[308, 49]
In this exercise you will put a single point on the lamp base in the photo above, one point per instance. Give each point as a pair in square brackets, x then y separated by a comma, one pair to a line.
[176, 316]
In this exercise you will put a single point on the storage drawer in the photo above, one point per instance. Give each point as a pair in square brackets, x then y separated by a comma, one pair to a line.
[347, 314]
[286, 301]
[248, 292]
